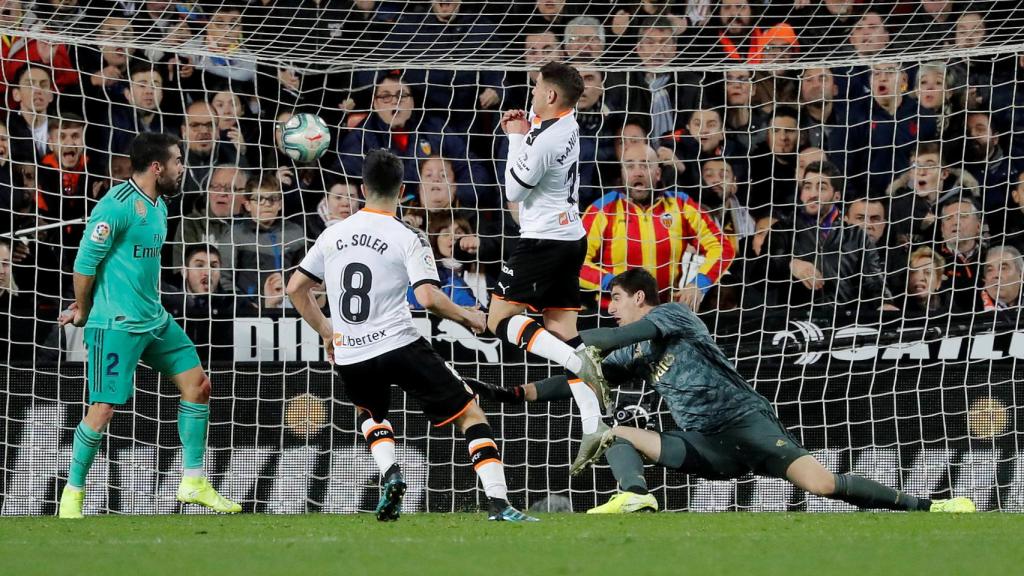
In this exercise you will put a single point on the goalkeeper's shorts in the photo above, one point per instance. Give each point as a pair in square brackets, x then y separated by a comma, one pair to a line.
[114, 354]
[756, 443]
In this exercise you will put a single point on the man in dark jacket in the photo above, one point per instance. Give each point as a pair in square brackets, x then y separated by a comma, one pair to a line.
[450, 30]
[815, 257]
[201, 304]
[660, 95]
[885, 127]
[395, 125]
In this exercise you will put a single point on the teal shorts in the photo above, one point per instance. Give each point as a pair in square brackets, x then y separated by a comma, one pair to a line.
[114, 354]
[756, 443]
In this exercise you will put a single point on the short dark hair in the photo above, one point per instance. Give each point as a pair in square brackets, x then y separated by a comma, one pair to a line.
[883, 201]
[194, 249]
[565, 79]
[149, 147]
[383, 173]
[266, 180]
[69, 119]
[638, 280]
[828, 170]
[786, 112]
[30, 66]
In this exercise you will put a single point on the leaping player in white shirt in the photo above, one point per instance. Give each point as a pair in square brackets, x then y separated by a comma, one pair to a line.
[367, 263]
[543, 272]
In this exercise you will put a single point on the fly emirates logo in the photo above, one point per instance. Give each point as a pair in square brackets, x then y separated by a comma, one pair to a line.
[343, 341]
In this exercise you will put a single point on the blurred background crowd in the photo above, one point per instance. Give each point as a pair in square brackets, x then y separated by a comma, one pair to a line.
[879, 189]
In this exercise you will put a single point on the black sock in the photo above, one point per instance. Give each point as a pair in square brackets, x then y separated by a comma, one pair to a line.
[576, 341]
[627, 466]
[865, 493]
[392, 470]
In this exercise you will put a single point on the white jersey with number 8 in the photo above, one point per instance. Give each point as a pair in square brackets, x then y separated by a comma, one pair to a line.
[367, 263]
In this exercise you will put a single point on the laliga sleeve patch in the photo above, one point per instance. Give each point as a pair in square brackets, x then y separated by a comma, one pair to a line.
[100, 232]
[428, 261]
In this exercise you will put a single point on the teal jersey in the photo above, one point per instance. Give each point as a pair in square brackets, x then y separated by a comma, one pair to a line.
[698, 382]
[121, 248]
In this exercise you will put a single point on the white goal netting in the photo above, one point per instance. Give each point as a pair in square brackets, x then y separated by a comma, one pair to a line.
[845, 176]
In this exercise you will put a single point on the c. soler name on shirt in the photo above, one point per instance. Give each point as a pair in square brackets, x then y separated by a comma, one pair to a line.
[342, 340]
[371, 242]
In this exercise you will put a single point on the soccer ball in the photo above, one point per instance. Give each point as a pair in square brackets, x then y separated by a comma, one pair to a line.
[305, 137]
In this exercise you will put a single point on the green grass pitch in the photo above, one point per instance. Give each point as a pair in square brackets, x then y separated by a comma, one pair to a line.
[864, 544]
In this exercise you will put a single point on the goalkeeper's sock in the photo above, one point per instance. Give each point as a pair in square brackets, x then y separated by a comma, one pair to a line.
[553, 388]
[486, 459]
[380, 437]
[627, 466]
[193, 419]
[83, 451]
[865, 493]
[528, 334]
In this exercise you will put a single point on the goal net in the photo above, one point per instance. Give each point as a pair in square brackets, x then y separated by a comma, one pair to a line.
[841, 181]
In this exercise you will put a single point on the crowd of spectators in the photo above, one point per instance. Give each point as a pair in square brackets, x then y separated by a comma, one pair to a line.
[866, 191]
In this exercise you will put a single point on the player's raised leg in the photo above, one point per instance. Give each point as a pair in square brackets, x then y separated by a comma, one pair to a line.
[508, 321]
[562, 323]
[193, 423]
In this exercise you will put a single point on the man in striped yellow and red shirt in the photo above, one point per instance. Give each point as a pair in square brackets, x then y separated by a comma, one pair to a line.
[643, 226]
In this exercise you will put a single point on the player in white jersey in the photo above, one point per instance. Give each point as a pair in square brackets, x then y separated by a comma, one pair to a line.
[543, 272]
[367, 263]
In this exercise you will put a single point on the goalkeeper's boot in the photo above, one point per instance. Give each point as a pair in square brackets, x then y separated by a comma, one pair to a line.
[198, 490]
[501, 394]
[501, 511]
[627, 502]
[958, 505]
[592, 447]
[389, 508]
[71, 502]
[591, 373]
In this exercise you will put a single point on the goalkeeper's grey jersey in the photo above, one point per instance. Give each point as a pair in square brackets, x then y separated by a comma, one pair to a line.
[699, 383]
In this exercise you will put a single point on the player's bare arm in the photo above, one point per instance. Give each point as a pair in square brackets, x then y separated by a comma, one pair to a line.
[437, 302]
[300, 290]
[78, 313]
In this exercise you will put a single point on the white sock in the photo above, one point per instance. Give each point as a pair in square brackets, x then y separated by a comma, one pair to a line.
[490, 469]
[588, 404]
[192, 472]
[380, 437]
[543, 344]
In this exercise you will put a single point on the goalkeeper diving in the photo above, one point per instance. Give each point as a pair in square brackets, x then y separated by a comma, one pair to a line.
[117, 301]
[726, 429]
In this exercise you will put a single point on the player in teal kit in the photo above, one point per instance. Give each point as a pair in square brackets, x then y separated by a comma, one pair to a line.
[117, 300]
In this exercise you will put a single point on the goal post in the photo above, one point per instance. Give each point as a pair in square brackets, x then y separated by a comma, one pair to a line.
[842, 178]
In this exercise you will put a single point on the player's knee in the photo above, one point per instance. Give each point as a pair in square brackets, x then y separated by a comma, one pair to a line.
[203, 390]
[472, 416]
[821, 485]
[494, 322]
[100, 414]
